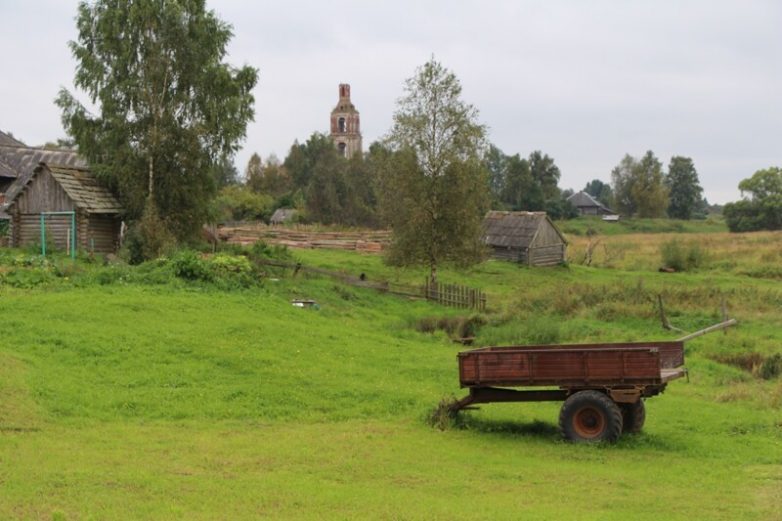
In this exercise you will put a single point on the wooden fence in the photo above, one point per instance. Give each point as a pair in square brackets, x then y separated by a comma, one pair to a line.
[455, 295]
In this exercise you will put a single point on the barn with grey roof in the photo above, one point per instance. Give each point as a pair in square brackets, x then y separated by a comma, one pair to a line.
[529, 238]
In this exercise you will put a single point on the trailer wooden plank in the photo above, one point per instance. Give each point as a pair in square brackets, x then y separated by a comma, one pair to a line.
[636, 363]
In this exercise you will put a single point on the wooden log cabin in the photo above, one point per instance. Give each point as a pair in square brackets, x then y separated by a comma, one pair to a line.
[63, 197]
[525, 237]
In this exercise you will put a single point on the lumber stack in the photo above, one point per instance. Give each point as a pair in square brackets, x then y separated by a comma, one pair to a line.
[365, 241]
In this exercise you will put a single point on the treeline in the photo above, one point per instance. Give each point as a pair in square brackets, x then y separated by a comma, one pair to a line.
[641, 188]
[326, 188]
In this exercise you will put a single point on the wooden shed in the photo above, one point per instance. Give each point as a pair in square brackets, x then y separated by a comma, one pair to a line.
[525, 237]
[64, 200]
[284, 215]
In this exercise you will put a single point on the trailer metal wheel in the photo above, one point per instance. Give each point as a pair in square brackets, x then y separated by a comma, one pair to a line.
[590, 416]
[633, 416]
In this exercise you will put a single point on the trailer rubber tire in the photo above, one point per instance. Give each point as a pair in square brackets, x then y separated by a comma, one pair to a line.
[633, 416]
[590, 416]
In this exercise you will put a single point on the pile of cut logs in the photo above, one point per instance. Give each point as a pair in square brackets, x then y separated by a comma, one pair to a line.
[368, 241]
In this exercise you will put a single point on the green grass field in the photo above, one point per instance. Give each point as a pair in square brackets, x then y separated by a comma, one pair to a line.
[144, 398]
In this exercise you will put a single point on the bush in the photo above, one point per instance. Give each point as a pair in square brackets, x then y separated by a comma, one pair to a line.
[680, 257]
[189, 265]
[239, 203]
[27, 278]
[148, 238]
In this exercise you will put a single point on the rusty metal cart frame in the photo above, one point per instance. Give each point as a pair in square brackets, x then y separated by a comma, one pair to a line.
[602, 385]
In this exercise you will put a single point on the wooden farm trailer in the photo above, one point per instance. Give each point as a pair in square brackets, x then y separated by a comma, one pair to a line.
[602, 385]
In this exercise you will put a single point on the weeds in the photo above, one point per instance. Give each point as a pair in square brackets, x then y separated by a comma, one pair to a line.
[682, 257]
[445, 416]
[455, 327]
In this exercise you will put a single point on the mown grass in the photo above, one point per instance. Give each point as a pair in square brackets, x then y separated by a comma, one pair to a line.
[146, 396]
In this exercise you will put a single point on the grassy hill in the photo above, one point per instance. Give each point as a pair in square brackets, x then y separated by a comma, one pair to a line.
[130, 393]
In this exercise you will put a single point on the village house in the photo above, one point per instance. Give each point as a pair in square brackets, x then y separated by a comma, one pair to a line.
[52, 194]
[588, 205]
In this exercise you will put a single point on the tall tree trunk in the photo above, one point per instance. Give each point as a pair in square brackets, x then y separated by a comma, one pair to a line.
[151, 185]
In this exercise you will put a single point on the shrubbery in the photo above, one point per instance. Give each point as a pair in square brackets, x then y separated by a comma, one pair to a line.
[235, 267]
[682, 257]
[239, 203]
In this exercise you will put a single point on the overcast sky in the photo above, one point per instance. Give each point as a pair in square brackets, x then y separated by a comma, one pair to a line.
[584, 81]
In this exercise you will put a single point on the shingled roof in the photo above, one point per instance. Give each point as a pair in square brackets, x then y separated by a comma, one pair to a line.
[79, 183]
[585, 200]
[9, 140]
[513, 229]
[21, 160]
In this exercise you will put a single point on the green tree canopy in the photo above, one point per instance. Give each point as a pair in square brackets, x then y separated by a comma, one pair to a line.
[224, 173]
[169, 108]
[638, 186]
[600, 191]
[526, 184]
[763, 184]
[521, 190]
[435, 185]
[684, 187]
[335, 190]
[761, 208]
[545, 173]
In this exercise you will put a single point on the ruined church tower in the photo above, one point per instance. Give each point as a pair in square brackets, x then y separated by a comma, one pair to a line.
[345, 126]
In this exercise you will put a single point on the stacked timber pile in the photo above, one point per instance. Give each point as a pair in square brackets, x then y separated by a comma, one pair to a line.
[368, 241]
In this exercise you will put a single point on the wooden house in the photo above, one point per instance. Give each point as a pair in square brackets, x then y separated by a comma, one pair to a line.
[588, 205]
[64, 201]
[525, 237]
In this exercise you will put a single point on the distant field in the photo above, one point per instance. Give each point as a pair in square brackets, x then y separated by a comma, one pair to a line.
[125, 398]
[588, 225]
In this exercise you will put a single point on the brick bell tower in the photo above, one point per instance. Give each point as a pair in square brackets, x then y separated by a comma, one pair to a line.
[345, 124]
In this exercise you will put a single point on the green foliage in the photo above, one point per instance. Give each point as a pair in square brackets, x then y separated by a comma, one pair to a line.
[763, 184]
[253, 173]
[682, 257]
[762, 210]
[239, 203]
[545, 173]
[600, 191]
[684, 188]
[520, 184]
[170, 111]
[224, 173]
[335, 190]
[302, 158]
[434, 192]
[189, 265]
[271, 178]
[639, 188]
[152, 234]
[521, 191]
[560, 208]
